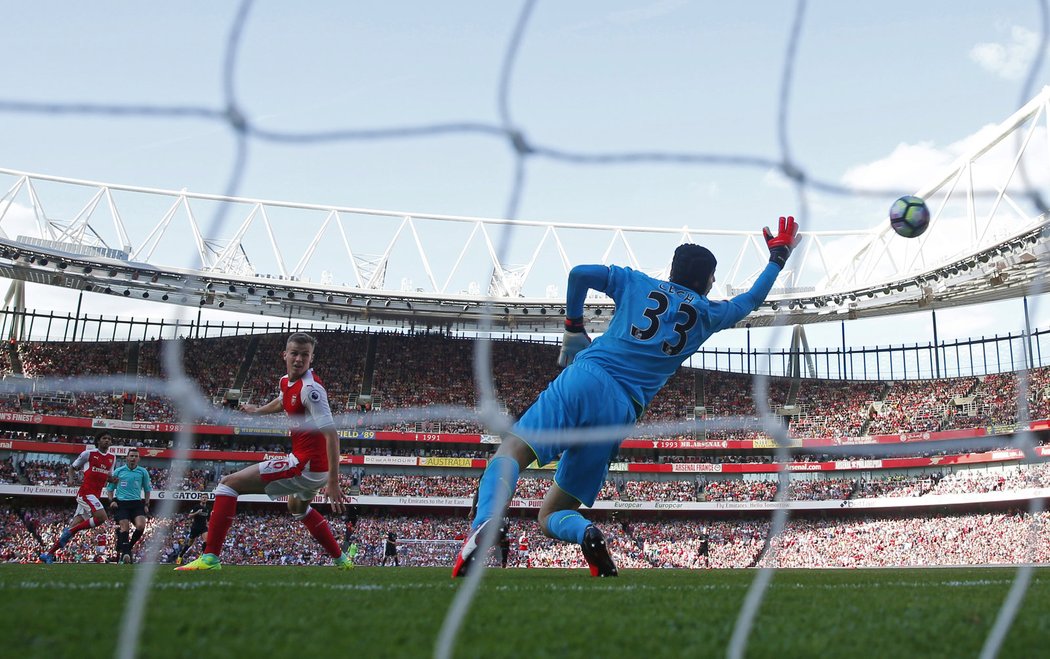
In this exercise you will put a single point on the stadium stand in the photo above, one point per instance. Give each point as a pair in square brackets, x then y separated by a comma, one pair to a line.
[399, 371]
[268, 536]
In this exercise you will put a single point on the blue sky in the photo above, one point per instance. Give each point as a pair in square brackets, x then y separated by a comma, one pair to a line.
[880, 90]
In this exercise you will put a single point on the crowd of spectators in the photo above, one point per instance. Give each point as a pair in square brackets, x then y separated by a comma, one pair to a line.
[916, 406]
[833, 408]
[268, 536]
[421, 370]
[416, 482]
[972, 539]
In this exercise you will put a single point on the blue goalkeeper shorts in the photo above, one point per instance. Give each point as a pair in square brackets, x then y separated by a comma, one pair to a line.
[582, 396]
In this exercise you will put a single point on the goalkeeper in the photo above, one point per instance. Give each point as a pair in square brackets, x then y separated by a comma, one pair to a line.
[608, 384]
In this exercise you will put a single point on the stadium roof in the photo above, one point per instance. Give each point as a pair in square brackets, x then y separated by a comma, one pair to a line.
[987, 241]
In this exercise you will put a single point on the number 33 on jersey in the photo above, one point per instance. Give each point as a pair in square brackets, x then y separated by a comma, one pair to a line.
[659, 324]
[684, 318]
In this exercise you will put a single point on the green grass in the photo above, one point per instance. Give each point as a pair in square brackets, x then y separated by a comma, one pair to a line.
[74, 611]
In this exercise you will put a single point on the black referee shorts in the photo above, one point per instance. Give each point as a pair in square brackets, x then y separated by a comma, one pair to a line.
[129, 510]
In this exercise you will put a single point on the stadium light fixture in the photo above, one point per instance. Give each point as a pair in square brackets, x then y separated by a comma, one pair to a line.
[233, 289]
[270, 293]
[291, 295]
[127, 292]
[61, 265]
[774, 306]
[43, 262]
[155, 277]
[145, 294]
[87, 269]
[310, 297]
[112, 273]
[251, 291]
[525, 310]
[164, 297]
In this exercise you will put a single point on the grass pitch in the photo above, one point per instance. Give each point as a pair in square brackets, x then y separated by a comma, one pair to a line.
[53, 611]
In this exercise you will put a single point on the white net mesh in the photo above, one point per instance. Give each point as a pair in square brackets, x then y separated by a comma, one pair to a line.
[171, 378]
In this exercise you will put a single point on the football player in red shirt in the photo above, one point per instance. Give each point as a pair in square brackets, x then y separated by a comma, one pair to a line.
[312, 466]
[96, 463]
[100, 548]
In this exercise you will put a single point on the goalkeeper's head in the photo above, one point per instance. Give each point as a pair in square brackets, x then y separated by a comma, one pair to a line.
[693, 266]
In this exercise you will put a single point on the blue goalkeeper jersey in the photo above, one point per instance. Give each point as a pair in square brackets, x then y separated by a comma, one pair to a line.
[658, 325]
[131, 483]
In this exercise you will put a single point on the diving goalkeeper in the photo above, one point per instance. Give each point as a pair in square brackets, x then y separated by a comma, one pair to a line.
[657, 326]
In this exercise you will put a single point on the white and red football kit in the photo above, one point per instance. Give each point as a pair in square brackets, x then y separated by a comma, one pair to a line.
[305, 470]
[97, 467]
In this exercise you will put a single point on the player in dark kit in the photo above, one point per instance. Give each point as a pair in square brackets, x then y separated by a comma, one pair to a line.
[704, 550]
[390, 548]
[199, 515]
[504, 543]
[350, 517]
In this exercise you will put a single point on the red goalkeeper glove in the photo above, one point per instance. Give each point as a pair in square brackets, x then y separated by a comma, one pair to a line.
[573, 341]
[780, 246]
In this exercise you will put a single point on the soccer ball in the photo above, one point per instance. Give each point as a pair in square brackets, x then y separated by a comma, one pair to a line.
[909, 216]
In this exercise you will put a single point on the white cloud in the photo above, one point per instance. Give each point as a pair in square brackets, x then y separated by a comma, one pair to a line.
[1009, 60]
[909, 167]
[18, 220]
[904, 169]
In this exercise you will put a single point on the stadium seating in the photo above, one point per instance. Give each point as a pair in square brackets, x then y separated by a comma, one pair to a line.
[269, 536]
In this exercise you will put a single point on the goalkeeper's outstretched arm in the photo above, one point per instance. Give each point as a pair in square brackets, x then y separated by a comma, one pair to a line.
[582, 278]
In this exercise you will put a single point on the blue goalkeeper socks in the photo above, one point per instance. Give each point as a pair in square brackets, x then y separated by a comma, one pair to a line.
[567, 525]
[497, 487]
